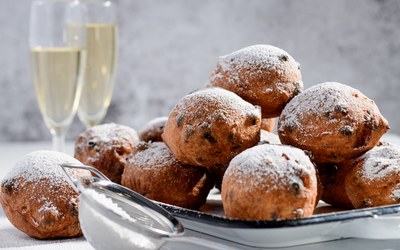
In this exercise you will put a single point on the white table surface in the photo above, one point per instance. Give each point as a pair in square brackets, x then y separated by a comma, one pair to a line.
[11, 238]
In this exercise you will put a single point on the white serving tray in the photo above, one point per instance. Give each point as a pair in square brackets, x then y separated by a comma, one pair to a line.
[369, 223]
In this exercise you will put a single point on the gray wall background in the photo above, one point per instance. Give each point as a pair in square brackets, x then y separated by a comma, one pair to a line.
[168, 48]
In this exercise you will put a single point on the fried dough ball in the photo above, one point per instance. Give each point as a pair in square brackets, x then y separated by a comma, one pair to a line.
[263, 75]
[374, 178]
[38, 200]
[107, 147]
[332, 177]
[269, 182]
[155, 173]
[153, 129]
[333, 121]
[219, 171]
[209, 127]
[268, 124]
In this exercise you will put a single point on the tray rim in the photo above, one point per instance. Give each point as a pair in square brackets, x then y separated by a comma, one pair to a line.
[330, 217]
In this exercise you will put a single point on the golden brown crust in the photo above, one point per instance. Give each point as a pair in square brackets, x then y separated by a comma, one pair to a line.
[268, 124]
[333, 178]
[269, 182]
[262, 75]
[153, 129]
[32, 219]
[333, 121]
[374, 179]
[155, 173]
[38, 200]
[209, 127]
[107, 148]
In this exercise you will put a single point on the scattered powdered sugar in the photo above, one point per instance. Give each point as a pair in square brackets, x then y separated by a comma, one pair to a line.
[261, 74]
[157, 161]
[40, 171]
[269, 89]
[74, 200]
[396, 193]
[281, 87]
[317, 101]
[40, 165]
[154, 154]
[215, 102]
[110, 132]
[100, 140]
[276, 163]
[48, 206]
[261, 56]
[381, 161]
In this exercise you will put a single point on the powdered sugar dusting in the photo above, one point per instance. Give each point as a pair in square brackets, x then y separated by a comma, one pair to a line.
[154, 154]
[112, 132]
[261, 56]
[98, 141]
[41, 165]
[381, 162]
[281, 87]
[277, 163]
[396, 193]
[48, 206]
[40, 173]
[224, 102]
[156, 160]
[319, 100]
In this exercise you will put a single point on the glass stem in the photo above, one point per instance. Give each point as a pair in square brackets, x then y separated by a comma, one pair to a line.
[58, 142]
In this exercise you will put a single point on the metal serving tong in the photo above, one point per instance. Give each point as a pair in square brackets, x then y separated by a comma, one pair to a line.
[115, 217]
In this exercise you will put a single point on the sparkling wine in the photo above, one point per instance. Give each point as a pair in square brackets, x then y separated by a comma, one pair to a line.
[57, 76]
[99, 74]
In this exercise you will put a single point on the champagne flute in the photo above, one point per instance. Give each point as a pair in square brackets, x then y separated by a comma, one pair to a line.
[99, 78]
[57, 60]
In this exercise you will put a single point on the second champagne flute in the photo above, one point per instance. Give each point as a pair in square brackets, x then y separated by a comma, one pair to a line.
[99, 78]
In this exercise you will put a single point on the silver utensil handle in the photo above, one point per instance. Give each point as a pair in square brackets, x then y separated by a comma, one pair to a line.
[73, 182]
